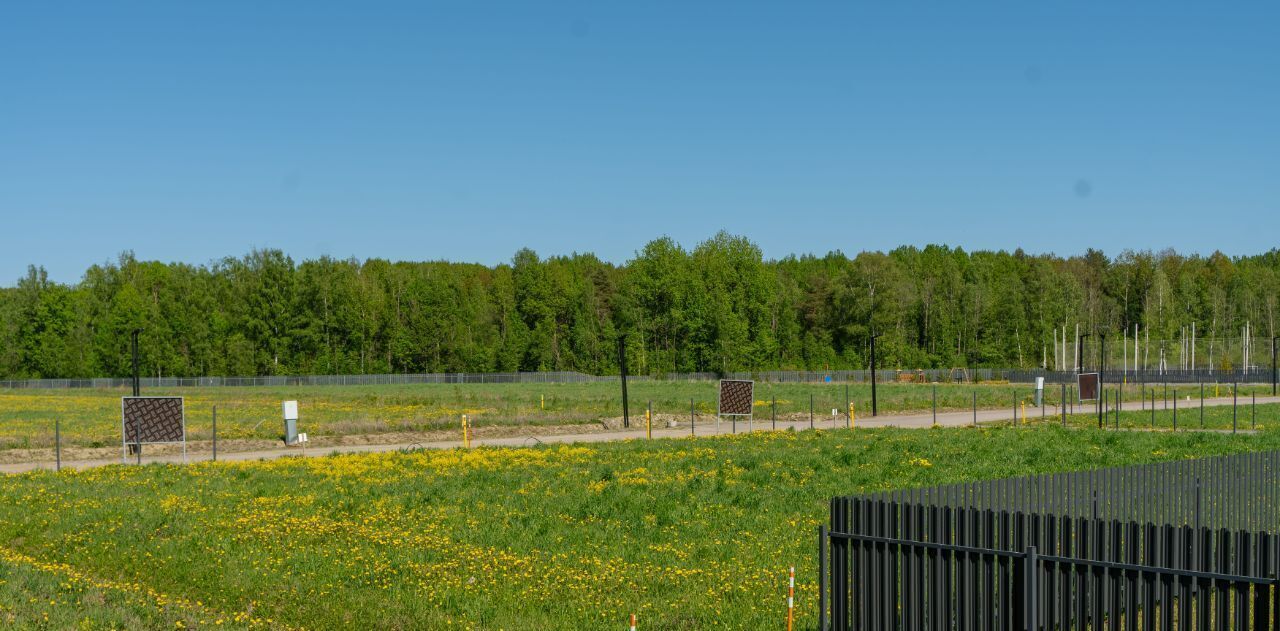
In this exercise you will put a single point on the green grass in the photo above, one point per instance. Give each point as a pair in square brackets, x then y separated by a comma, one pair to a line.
[91, 418]
[688, 533]
[33, 597]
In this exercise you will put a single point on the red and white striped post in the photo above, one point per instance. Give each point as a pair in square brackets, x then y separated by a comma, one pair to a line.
[791, 599]
[633, 622]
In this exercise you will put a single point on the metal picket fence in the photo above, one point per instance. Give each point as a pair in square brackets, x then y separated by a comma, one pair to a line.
[1180, 545]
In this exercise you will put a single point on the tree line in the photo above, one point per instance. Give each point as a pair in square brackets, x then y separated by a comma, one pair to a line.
[720, 306]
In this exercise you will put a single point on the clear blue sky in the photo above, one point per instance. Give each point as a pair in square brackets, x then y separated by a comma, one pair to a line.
[466, 130]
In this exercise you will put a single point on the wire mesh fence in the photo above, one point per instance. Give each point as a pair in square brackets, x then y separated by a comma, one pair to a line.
[933, 375]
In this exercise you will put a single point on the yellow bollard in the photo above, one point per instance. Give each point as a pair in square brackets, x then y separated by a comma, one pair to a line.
[466, 435]
[853, 416]
[544, 402]
[1024, 412]
[648, 424]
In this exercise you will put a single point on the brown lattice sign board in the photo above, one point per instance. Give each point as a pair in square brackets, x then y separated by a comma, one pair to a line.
[151, 420]
[736, 397]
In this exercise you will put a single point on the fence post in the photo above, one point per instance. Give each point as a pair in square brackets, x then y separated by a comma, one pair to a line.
[1233, 408]
[215, 433]
[810, 410]
[1198, 525]
[935, 404]
[693, 421]
[822, 577]
[774, 413]
[1031, 594]
[1254, 422]
[975, 408]
[1063, 404]
[1175, 409]
[57, 443]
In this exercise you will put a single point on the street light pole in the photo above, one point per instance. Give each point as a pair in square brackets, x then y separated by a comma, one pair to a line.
[874, 410]
[1080, 338]
[1102, 369]
[622, 373]
[136, 379]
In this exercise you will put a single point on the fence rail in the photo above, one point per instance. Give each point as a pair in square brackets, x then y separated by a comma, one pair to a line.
[1180, 545]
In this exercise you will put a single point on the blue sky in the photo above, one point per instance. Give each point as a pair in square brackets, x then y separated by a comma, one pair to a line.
[466, 130]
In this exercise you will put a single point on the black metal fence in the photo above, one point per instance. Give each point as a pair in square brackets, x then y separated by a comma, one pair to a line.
[1182, 545]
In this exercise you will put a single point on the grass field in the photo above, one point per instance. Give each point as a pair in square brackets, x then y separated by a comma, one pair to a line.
[91, 418]
[687, 533]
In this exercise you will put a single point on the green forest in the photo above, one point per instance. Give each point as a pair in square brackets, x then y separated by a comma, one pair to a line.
[720, 306]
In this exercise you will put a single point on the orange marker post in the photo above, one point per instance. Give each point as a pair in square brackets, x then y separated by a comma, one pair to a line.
[633, 622]
[791, 598]
[466, 434]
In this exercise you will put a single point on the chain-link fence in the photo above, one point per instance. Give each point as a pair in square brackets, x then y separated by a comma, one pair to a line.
[954, 375]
